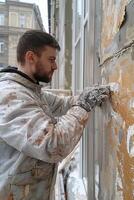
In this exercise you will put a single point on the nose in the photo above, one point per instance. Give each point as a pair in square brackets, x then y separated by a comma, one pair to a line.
[54, 66]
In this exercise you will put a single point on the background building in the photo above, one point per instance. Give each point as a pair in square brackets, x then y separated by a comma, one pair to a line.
[15, 18]
[102, 53]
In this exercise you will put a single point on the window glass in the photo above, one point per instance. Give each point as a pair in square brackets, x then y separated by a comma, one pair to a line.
[78, 69]
[2, 19]
[85, 7]
[86, 62]
[78, 17]
[22, 21]
[84, 156]
[1, 66]
[2, 47]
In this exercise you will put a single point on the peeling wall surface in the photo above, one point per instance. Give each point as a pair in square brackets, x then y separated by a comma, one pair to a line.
[114, 16]
[115, 165]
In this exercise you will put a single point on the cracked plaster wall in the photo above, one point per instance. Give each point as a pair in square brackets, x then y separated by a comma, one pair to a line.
[115, 165]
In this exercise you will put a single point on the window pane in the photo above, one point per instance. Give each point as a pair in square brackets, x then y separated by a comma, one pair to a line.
[84, 156]
[86, 82]
[22, 21]
[78, 72]
[86, 62]
[1, 47]
[2, 65]
[85, 7]
[2, 19]
[78, 16]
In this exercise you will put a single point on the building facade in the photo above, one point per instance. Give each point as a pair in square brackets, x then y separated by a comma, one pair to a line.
[15, 18]
[102, 53]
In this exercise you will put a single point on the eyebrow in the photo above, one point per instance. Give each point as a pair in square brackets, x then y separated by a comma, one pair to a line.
[52, 57]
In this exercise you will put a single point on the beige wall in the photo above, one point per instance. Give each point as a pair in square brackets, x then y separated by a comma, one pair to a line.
[107, 156]
[16, 12]
[13, 40]
[115, 144]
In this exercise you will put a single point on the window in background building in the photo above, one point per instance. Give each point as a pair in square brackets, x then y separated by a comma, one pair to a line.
[22, 21]
[2, 47]
[13, 19]
[2, 65]
[2, 19]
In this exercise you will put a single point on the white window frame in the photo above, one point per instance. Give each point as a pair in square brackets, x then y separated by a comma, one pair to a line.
[80, 38]
[84, 145]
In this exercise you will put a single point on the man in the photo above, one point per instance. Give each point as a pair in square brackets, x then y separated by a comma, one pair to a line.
[37, 129]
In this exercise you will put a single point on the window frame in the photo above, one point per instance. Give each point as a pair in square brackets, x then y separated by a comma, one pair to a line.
[87, 142]
[84, 141]
[79, 38]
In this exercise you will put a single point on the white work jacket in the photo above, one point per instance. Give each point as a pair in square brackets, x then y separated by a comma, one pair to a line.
[37, 131]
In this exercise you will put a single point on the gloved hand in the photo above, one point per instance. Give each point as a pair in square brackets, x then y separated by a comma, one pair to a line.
[92, 97]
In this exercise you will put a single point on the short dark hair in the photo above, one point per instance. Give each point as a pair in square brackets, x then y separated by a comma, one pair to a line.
[34, 40]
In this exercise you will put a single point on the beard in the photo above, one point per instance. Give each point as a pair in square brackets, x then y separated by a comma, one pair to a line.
[39, 77]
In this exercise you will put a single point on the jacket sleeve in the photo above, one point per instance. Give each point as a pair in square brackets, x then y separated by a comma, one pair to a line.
[59, 105]
[26, 127]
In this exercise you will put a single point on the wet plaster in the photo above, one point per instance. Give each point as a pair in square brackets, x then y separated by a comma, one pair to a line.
[118, 176]
[117, 70]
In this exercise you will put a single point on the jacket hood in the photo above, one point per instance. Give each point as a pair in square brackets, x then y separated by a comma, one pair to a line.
[13, 74]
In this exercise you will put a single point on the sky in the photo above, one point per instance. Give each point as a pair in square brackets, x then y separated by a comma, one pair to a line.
[43, 9]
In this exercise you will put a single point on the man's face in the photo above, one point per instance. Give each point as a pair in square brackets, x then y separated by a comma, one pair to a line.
[45, 64]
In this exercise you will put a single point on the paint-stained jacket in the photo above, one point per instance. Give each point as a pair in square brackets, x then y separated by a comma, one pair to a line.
[37, 130]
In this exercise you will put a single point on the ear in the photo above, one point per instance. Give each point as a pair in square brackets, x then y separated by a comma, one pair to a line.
[30, 57]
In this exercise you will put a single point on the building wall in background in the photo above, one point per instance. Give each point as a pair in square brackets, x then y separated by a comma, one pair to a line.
[15, 19]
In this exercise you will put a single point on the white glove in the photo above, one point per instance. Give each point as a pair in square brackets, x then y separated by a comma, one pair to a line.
[92, 97]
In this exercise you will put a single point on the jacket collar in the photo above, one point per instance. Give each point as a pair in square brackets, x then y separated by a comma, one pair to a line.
[12, 73]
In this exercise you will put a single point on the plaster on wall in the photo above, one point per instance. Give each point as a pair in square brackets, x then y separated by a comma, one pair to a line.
[119, 72]
[114, 16]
